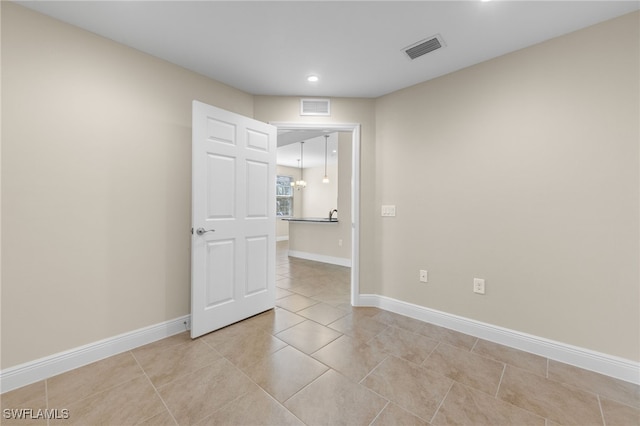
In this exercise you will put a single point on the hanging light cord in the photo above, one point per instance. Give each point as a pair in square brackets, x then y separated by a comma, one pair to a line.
[326, 137]
[301, 183]
[325, 179]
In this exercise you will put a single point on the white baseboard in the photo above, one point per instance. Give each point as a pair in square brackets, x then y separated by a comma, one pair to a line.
[44, 368]
[609, 365]
[341, 261]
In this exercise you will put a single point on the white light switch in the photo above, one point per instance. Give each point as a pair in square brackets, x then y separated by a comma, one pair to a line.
[388, 210]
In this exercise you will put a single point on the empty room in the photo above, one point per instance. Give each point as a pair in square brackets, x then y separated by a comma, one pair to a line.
[478, 262]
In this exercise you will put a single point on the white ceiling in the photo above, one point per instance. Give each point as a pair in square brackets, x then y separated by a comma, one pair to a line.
[356, 48]
[313, 151]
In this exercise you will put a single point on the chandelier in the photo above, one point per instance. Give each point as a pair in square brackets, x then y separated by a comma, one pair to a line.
[301, 182]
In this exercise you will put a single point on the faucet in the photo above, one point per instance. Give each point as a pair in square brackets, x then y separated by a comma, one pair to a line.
[332, 212]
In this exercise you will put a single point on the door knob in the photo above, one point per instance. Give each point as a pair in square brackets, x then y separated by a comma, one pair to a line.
[202, 231]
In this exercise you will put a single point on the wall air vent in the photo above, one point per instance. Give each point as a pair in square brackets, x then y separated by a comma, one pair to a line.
[424, 46]
[315, 107]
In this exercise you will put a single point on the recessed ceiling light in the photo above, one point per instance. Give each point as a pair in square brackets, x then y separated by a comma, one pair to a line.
[312, 78]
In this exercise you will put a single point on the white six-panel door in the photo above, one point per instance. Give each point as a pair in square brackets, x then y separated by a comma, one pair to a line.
[233, 218]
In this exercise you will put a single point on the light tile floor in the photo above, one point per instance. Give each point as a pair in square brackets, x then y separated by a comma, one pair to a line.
[315, 360]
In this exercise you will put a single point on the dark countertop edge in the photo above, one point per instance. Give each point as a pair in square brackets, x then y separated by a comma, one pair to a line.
[310, 219]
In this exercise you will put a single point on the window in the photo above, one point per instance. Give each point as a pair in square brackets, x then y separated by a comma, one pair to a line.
[284, 196]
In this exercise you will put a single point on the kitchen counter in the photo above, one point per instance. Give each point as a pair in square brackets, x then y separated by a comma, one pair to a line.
[319, 239]
[311, 219]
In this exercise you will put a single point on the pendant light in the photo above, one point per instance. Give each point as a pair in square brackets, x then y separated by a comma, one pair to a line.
[301, 183]
[325, 179]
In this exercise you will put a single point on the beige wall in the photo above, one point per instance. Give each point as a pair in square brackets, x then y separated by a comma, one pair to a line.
[96, 185]
[319, 198]
[523, 171]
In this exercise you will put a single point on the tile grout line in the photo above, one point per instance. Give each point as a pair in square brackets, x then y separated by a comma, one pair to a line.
[474, 345]
[46, 398]
[374, 369]
[395, 403]
[504, 369]
[422, 364]
[260, 387]
[389, 401]
[435, 413]
[273, 332]
[323, 346]
[304, 387]
[533, 413]
[242, 373]
[107, 389]
[604, 422]
[430, 353]
[155, 389]
[227, 404]
[378, 334]
[381, 411]
[546, 374]
[319, 323]
[266, 392]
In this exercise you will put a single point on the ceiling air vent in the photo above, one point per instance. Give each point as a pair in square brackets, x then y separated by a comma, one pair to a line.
[315, 107]
[424, 46]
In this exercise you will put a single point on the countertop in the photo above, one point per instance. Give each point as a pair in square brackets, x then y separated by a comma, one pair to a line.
[311, 219]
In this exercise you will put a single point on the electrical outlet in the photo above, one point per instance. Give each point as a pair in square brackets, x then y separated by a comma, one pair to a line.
[423, 276]
[389, 210]
[478, 285]
[340, 242]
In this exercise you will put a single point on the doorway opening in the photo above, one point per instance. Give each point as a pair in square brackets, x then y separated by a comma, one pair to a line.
[354, 128]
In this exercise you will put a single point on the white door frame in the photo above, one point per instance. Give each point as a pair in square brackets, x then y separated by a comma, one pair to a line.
[354, 128]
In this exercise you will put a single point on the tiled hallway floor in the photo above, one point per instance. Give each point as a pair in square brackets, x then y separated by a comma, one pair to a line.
[315, 360]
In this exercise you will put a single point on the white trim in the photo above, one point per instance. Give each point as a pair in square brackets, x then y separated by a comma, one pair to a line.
[44, 368]
[355, 214]
[341, 261]
[354, 128]
[282, 238]
[608, 365]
